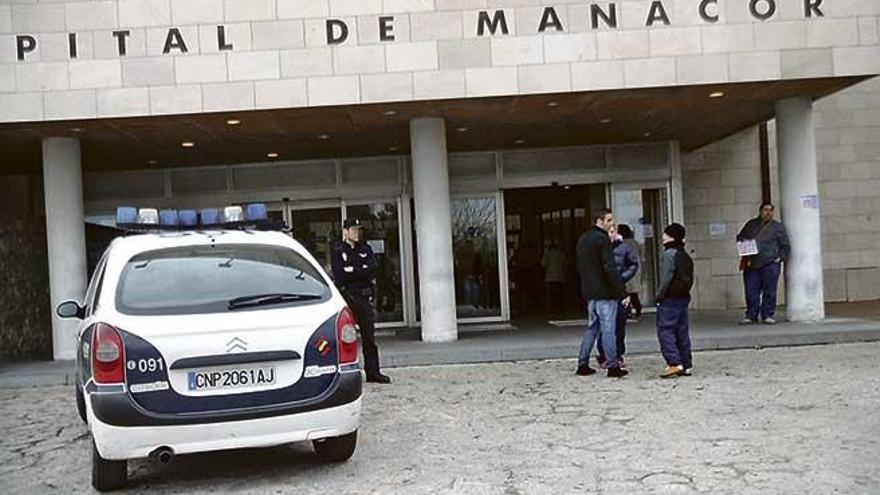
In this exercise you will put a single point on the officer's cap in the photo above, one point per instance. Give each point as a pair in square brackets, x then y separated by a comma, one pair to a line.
[352, 223]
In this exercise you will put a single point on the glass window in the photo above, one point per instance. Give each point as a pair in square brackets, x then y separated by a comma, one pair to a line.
[318, 229]
[204, 279]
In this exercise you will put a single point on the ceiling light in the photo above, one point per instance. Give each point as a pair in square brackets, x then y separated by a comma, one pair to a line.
[152, 162]
[323, 136]
[462, 129]
[393, 148]
[187, 144]
[716, 94]
[76, 129]
[647, 134]
[552, 104]
[605, 121]
[390, 113]
[233, 122]
[272, 155]
[519, 141]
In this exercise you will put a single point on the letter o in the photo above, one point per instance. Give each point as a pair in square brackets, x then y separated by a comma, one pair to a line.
[770, 12]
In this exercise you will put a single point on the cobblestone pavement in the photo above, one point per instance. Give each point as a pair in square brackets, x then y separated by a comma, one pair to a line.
[772, 421]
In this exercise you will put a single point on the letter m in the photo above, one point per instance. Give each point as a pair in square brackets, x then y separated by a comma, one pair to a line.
[484, 22]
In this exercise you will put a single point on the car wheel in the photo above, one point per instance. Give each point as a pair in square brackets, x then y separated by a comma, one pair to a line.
[80, 404]
[336, 449]
[107, 475]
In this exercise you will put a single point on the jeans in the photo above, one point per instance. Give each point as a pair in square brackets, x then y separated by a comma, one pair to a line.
[619, 334]
[760, 285]
[673, 331]
[602, 318]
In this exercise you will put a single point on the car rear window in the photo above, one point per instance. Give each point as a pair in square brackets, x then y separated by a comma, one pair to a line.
[204, 279]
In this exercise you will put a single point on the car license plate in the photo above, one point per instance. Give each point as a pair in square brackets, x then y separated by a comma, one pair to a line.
[231, 378]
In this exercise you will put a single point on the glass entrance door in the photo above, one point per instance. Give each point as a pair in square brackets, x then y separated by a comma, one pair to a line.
[317, 229]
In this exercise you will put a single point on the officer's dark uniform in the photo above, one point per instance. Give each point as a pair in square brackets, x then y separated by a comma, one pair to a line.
[354, 270]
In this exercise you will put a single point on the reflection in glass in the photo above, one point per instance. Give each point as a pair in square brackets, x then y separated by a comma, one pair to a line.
[475, 254]
[382, 232]
[317, 230]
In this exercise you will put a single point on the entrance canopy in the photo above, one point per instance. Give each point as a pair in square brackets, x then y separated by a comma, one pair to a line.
[692, 115]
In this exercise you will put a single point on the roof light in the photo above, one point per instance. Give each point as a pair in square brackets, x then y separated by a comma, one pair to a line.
[168, 217]
[187, 144]
[233, 122]
[716, 94]
[210, 216]
[148, 216]
[272, 155]
[126, 215]
[188, 218]
[233, 214]
[257, 211]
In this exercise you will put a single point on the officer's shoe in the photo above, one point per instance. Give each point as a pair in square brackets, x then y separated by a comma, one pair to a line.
[377, 377]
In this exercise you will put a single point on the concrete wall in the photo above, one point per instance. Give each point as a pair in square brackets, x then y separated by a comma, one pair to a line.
[25, 326]
[280, 56]
[848, 142]
[722, 189]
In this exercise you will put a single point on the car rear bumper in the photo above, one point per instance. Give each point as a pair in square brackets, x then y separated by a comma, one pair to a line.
[117, 408]
[121, 443]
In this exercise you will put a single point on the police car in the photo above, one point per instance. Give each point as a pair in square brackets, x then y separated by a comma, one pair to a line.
[201, 338]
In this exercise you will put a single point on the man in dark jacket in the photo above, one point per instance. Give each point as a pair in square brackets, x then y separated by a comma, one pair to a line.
[602, 288]
[761, 271]
[354, 271]
[673, 298]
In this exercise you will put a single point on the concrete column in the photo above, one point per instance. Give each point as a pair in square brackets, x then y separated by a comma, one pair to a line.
[799, 193]
[433, 229]
[65, 233]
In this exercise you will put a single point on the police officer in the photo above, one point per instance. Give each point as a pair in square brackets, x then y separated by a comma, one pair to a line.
[354, 270]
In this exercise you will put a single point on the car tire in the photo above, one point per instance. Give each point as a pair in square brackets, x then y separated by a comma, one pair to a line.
[81, 404]
[336, 449]
[107, 475]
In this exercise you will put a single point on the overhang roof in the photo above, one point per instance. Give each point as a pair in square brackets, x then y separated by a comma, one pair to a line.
[687, 114]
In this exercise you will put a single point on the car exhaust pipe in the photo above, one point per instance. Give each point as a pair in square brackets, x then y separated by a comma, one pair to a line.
[162, 454]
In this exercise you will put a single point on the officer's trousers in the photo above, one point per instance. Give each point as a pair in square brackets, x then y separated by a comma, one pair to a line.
[365, 315]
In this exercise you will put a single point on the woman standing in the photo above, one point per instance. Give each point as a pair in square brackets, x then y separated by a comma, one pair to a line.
[634, 286]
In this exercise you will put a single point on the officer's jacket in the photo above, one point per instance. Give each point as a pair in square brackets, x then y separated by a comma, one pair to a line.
[353, 267]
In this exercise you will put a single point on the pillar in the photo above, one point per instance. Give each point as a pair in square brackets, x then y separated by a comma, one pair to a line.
[799, 200]
[430, 172]
[65, 235]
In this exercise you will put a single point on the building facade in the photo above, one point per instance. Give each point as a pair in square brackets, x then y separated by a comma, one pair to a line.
[470, 134]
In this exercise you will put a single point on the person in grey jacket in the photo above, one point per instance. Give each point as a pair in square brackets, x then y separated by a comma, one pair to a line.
[627, 261]
[673, 297]
[761, 271]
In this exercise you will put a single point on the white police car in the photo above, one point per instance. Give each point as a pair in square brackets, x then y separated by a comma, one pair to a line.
[195, 341]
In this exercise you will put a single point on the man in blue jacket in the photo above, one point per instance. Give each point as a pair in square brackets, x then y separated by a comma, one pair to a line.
[602, 288]
[673, 297]
[761, 271]
[627, 261]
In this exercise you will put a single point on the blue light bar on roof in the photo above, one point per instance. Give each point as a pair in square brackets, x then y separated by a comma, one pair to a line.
[188, 218]
[168, 218]
[126, 215]
[256, 211]
[210, 216]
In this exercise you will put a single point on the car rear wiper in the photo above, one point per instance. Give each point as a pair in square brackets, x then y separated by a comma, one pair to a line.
[266, 299]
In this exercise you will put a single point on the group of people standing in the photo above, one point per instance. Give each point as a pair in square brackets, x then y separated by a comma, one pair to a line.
[607, 259]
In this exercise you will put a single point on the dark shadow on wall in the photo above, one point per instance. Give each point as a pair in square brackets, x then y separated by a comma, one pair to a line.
[25, 324]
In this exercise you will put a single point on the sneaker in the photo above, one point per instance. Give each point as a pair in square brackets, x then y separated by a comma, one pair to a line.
[688, 372]
[769, 321]
[672, 372]
[620, 363]
[747, 321]
[585, 371]
[377, 378]
[617, 373]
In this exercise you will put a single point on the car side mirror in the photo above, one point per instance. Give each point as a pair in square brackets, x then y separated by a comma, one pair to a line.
[70, 309]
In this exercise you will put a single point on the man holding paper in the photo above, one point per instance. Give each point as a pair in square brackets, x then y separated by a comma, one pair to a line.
[763, 245]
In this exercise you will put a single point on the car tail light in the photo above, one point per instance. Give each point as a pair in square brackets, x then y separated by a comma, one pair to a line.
[108, 355]
[346, 334]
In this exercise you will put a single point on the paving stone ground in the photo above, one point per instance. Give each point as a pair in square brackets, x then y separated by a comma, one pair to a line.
[774, 421]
